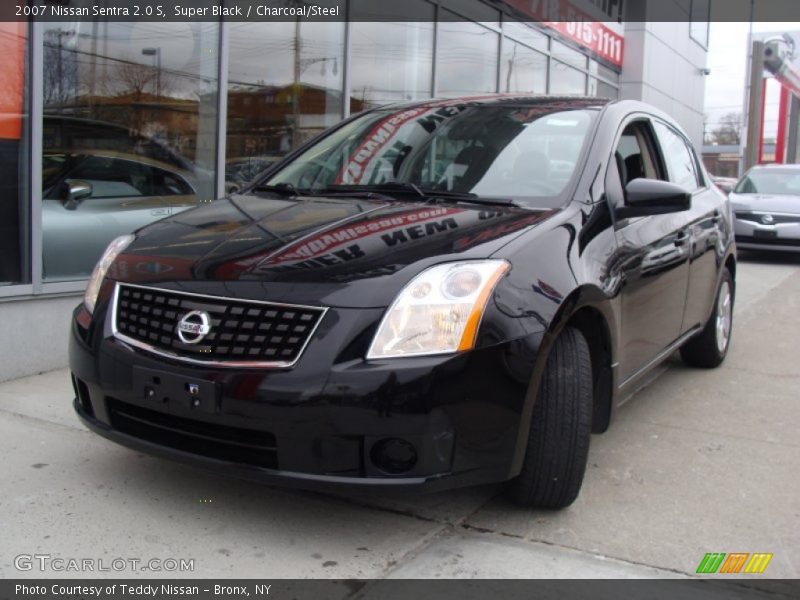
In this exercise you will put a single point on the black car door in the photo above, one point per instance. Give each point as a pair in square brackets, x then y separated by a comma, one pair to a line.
[652, 262]
[705, 219]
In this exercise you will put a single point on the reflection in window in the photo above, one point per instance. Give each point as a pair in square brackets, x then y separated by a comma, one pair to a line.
[13, 150]
[285, 82]
[525, 152]
[596, 68]
[523, 69]
[680, 162]
[601, 89]
[391, 62]
[566, 80]
[129, 132]
[467, 55]
[526, 34]
[568, 55]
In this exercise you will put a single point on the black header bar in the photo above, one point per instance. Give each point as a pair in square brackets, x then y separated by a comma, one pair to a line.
[398, 10]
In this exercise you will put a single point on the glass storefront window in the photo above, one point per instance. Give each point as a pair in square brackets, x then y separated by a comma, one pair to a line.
[568, 55]
[600, 70]
[566, 80]
[523, 69]
[129, 132]
[526, 34]
[14, 214]
[601, 89]
[467, 58]
[284, 87]
[391, 62]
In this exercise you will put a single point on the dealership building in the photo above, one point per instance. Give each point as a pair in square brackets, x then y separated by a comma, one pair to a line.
[152, 118]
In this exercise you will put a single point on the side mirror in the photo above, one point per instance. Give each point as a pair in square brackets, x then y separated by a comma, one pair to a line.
[76, 191]
[644, 197]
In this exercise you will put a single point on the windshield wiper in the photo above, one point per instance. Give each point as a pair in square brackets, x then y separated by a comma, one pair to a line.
[284, 189]
[382, 188]
[429, 194]
[467, 197]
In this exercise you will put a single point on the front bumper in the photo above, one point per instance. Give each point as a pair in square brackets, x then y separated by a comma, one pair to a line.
[783, 236]
[318, 424]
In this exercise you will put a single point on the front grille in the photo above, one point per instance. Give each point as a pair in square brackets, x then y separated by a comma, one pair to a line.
[767, 241]
[246, 446]
[242, 332]
[776, 219]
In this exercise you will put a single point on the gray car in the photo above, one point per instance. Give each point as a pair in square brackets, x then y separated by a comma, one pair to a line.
[89, 197]
[766, 206]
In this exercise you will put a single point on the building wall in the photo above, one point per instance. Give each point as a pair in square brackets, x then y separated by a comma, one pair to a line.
[663, 66]
[34, 334]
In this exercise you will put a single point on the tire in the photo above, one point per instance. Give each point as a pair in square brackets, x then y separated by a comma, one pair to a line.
[710, 347]
[558, 442]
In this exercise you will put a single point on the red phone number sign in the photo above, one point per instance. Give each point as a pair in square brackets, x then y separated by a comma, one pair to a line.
[573, 23]
[595, 36]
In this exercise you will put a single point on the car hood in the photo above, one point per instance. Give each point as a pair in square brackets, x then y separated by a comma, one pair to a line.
[346, 252]
[766, 203]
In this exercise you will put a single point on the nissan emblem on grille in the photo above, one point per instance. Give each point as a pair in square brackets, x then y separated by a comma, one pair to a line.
[213, 330]
[194, 326]
[767, 219]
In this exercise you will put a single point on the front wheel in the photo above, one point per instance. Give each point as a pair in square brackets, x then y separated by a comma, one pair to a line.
[710, 347]
[558, 442]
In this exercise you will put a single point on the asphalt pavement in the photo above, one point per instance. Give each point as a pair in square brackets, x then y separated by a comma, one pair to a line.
[698, 461]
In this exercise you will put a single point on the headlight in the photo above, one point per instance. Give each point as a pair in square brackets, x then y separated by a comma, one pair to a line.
[100, 270]
[438, 311]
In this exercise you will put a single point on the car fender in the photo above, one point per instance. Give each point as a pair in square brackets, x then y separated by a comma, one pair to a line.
[583, 297]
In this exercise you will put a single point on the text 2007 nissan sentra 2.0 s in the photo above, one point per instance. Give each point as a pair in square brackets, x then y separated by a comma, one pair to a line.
[430, 295]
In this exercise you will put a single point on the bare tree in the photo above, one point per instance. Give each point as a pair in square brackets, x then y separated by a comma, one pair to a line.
[128, 77]
[60, 72]
[728, 129]
[133, 78]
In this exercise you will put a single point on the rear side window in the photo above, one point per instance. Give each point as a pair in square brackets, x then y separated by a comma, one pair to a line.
[678, 158]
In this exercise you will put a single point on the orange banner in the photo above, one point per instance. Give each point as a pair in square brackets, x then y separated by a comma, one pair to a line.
[12, 76]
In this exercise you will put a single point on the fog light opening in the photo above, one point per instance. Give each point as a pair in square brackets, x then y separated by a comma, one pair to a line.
[393, 456]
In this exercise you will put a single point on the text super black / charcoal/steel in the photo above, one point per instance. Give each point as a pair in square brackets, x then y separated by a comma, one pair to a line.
[431, 295]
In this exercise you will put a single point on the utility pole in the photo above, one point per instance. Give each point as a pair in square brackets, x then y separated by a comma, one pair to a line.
[298, 47]
[510, 68]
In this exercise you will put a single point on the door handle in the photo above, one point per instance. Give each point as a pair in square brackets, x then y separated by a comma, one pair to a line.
[681, 238]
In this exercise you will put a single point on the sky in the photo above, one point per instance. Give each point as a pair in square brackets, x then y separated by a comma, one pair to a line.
[727, 56]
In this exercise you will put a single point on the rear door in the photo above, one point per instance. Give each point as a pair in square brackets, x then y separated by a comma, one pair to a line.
[705, 220]
[653, 256]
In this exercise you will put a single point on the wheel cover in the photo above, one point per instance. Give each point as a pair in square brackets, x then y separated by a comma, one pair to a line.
[724, 316]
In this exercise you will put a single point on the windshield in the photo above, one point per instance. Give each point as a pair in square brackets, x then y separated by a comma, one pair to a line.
[526, 153]
[780, 182]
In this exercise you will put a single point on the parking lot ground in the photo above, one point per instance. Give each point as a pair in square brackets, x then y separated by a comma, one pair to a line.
[698, 461]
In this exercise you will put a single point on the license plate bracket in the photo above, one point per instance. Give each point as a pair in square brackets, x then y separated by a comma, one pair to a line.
[175, 393]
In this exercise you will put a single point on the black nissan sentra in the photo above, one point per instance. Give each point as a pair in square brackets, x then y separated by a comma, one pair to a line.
[429, 295]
